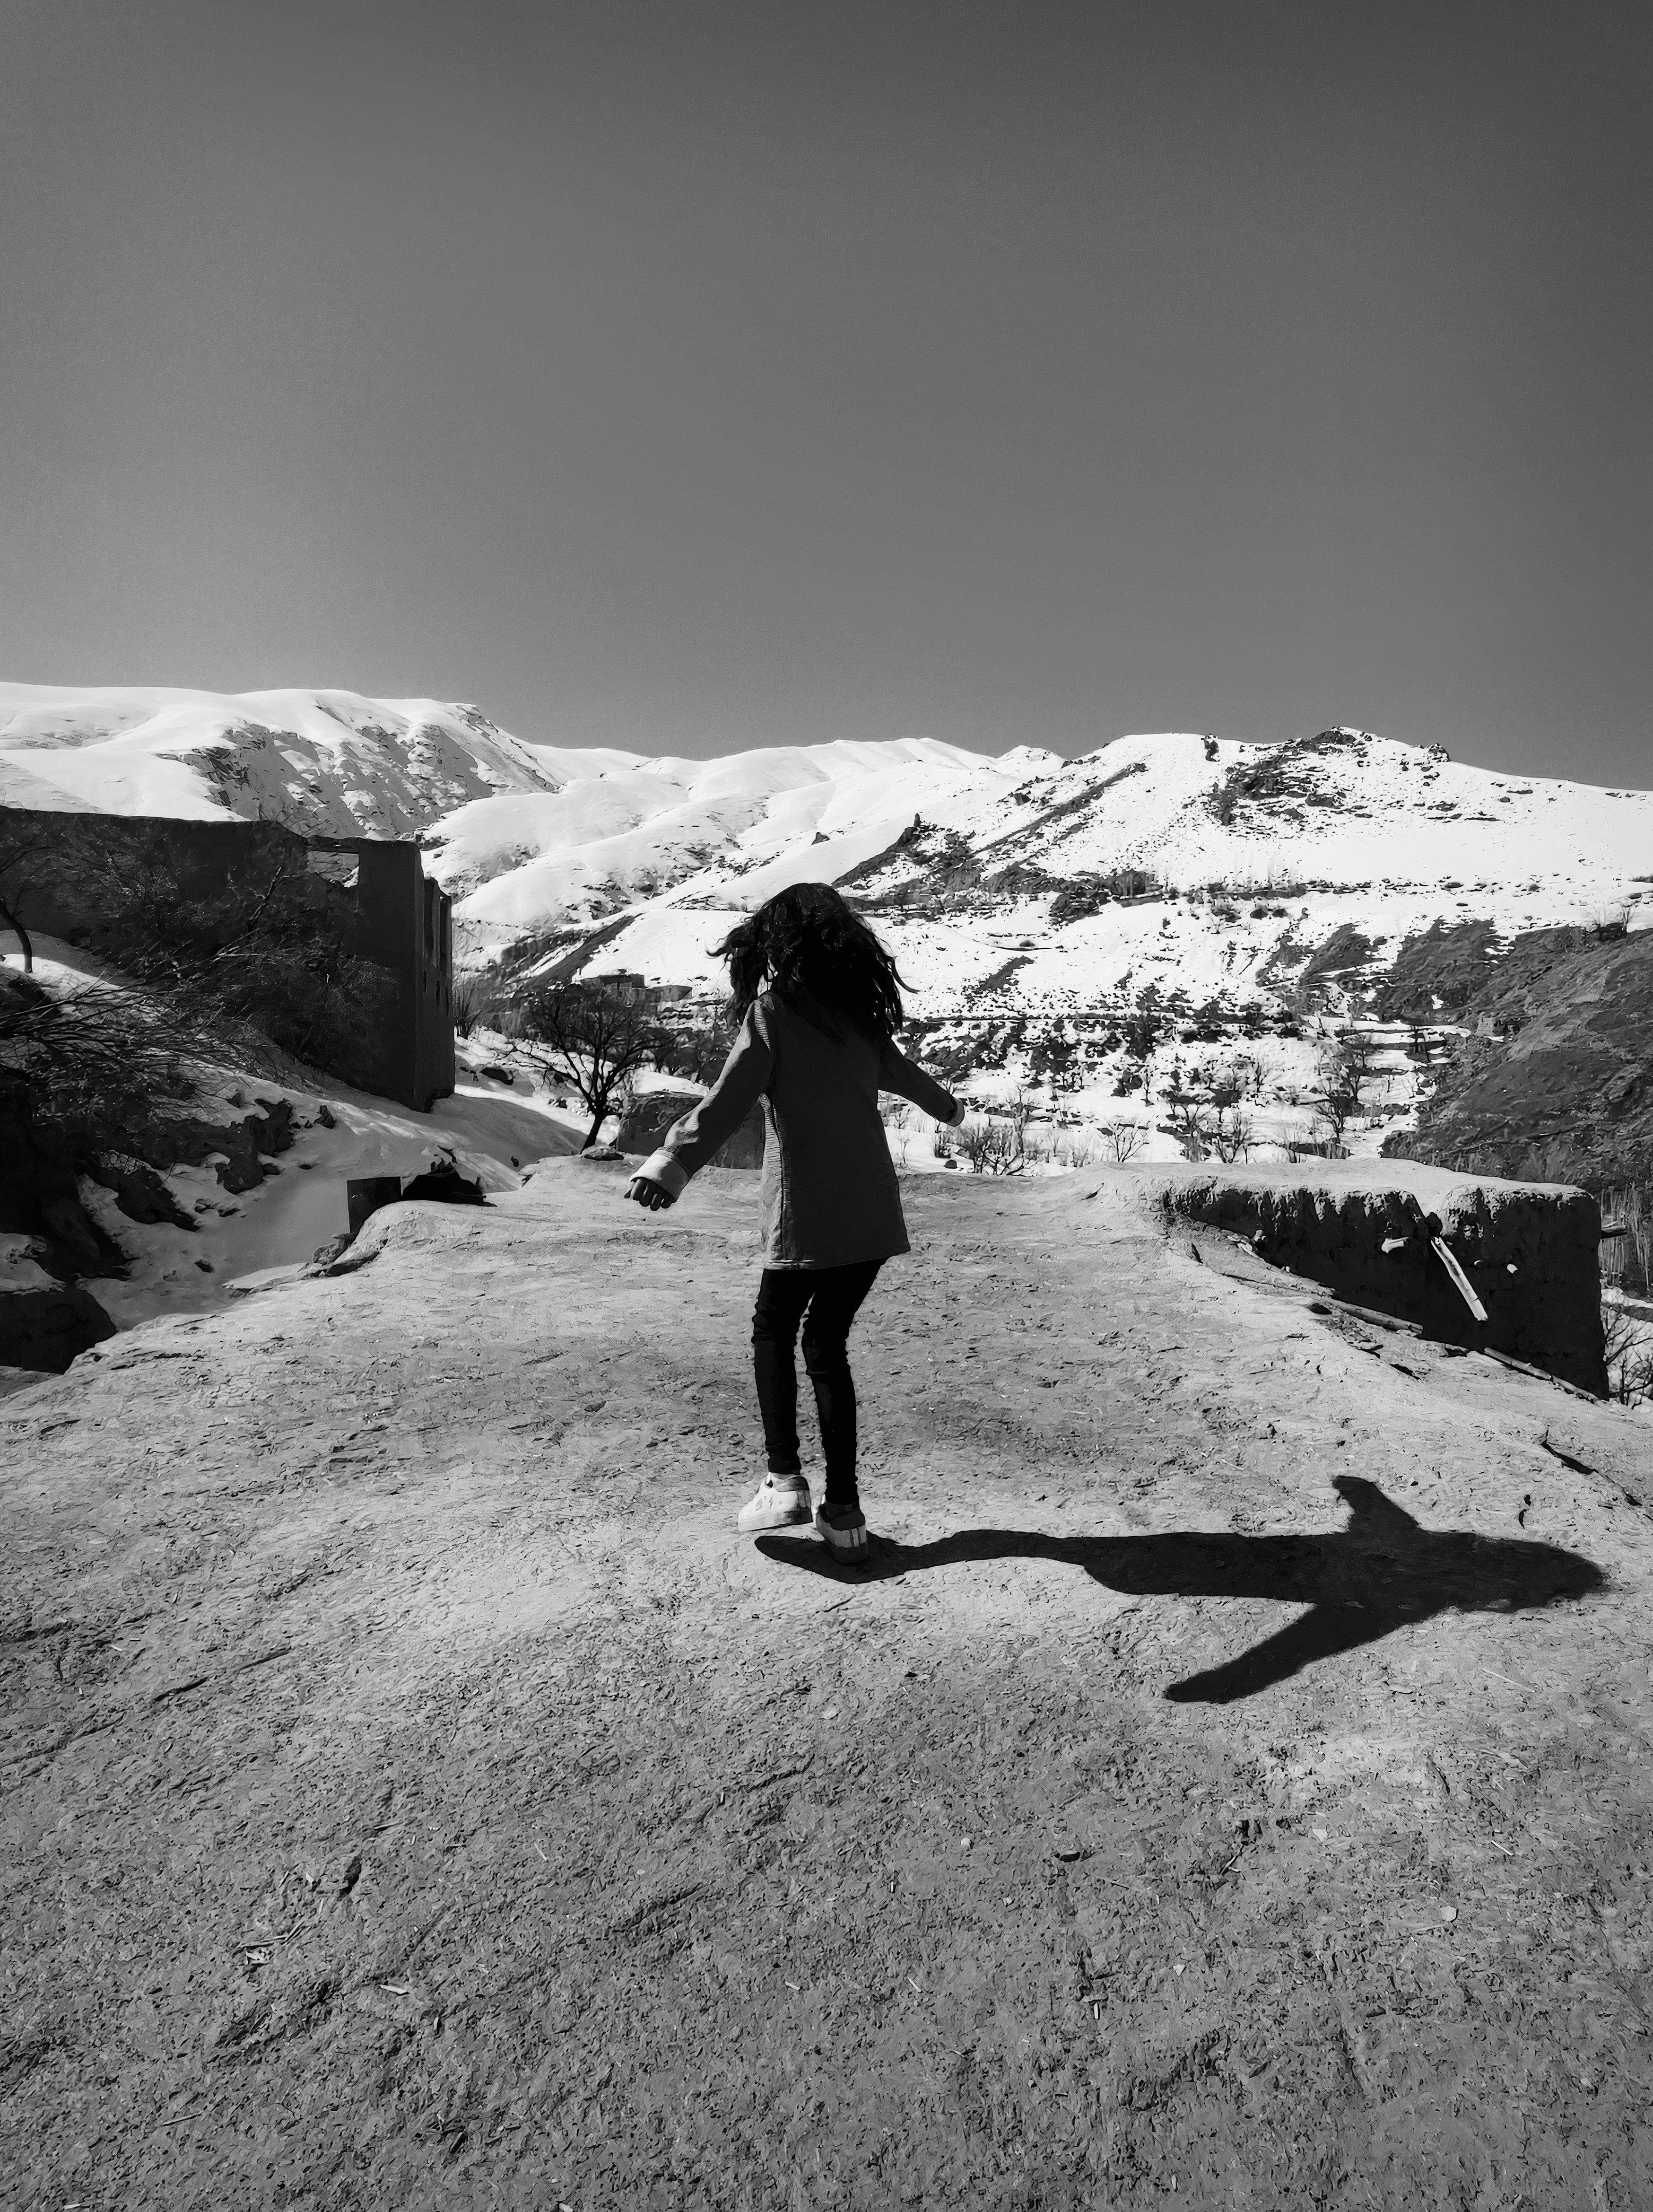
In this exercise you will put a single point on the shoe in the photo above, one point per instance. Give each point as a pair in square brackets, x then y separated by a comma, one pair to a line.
[782, 1501]
[844, 1528]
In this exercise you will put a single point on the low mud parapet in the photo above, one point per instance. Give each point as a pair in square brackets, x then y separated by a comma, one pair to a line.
[1527, 1252]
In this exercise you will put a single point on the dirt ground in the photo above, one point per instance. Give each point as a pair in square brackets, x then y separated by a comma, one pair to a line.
[1233, 1780]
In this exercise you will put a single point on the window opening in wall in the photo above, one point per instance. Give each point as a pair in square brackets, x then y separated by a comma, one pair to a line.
[340, 868]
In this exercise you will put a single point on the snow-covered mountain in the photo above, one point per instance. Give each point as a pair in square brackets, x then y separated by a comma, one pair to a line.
[1004, 882]
[1025, 881]
[731, 830]
[325, 762]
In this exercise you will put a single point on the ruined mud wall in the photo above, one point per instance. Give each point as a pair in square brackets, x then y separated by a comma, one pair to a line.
[646, 1124]
[404, 922]
[1530, 1251]
[74, 864]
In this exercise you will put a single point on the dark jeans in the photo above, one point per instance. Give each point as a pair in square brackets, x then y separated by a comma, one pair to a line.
[832, 1296]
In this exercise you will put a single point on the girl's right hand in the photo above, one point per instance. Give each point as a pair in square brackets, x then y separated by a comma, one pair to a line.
[648, 1193]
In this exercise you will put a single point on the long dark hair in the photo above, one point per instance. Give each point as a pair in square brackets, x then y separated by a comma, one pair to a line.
[807, 942]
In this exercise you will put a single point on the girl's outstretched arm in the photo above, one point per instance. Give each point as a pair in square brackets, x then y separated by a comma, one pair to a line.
[908, 1080]
[691, 1142]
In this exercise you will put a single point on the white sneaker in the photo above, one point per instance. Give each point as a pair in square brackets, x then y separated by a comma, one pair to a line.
[782, 1501]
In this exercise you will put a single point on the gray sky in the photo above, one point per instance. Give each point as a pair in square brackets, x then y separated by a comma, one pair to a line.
[693, 377]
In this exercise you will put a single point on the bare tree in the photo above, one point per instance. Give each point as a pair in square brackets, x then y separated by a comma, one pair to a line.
[1017, 1109]
[1189, 1117]
[12, 893]
[993, 1148]
[1332, 1111]
[1627, 1348]
[1123, 1140]
[1229, 1135]
[1357, 1052]
[592, 1038]
[467, 1004]
[1338, 1076]
[1190, 1121]
[89, 1051]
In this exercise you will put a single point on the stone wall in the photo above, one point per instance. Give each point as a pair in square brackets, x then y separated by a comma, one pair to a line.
[1530, 1251]
[389, 912]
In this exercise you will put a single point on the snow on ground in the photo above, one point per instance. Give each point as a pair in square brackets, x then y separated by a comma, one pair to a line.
[282, 1223]
[493, 1131]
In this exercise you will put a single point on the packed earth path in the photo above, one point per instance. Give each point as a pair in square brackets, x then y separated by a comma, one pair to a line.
[1233, 1778]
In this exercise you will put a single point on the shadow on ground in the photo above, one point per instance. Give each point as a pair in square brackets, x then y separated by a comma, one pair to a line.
[1380, 1573]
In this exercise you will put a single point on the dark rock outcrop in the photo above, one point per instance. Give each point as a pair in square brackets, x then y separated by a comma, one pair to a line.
[49, 1328]
[170, 1140]
[139, 1191]
[1563, 1089]
[39, 1192]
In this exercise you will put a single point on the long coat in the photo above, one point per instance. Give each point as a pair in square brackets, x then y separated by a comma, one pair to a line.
[829, 1195]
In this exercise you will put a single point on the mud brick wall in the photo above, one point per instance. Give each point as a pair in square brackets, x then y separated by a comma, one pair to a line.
[654, 1113]
[1531, 1251]
[392, 915]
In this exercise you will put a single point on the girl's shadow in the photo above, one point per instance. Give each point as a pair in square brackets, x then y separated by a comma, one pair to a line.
[1358, 1583]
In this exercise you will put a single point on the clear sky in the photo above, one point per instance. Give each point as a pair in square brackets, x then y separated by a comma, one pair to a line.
[692, 377]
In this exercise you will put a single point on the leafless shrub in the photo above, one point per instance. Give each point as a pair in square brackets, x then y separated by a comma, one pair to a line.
[1335, 1096]
[1229, 1135]
[1017, 1109]
[1355, 1054]
[1302, 1144]
[993, 1147]
[1189, 1122]
[1628, 1342]
[1073, 1148]
[468, 1003]
[1627, 1260]
[94, 1056]
[1123, 1140]
[15, 857]
[259, 958]
[1190, 1115]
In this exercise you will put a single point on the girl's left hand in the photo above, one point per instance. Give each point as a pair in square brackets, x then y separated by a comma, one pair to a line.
[648, 1193]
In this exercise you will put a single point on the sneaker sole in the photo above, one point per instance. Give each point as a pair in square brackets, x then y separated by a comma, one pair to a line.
[800, 1520]
[845, 1543]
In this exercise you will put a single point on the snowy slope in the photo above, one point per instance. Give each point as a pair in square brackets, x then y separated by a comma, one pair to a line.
[493, 1131]
[607, 841]
[1281, 845]
[1279, 848]
[327, 761]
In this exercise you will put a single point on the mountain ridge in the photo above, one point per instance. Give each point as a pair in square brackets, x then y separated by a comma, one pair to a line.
[1010, 882]
[326, 761]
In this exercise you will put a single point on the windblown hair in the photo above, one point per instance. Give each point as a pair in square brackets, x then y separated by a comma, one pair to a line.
[806, 943]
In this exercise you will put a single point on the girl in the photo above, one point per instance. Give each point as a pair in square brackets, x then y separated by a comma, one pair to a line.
[816, 996]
